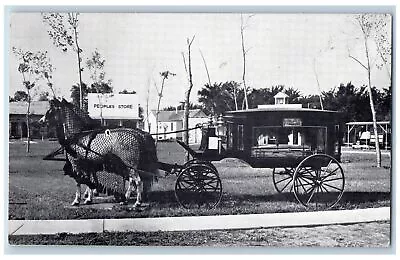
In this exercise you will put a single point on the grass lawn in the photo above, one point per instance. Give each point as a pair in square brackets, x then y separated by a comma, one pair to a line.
[38, 189]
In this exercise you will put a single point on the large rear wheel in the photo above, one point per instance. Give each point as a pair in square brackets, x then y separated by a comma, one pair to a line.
[318, 182]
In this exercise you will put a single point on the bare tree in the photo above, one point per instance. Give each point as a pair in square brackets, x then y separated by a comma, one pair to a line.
[164, 75]
[318, 85]
[368, 24]
[100, 85]
[188, 69]
[243, 25]
[33, 67]
[64, 32]
[319, 53]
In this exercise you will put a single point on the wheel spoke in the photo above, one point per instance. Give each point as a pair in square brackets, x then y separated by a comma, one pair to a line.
[288, 178]
[312, 194]
[301, 184]
[331, 173]
[307, 181]
[287, 184]
[333, 187]
[182, 186]
[322, 187]
[335, 179]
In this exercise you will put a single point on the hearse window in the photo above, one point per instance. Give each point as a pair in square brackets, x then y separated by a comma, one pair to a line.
[229, 136]
[311, 138]
[240, 138]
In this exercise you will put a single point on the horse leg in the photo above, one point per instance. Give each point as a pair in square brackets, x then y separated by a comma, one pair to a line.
[86, 193]
[77, 199]
[139, 190]
[134, 181]
[88, 200]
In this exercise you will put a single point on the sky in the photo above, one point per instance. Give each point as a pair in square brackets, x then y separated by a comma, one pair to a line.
[282, 49]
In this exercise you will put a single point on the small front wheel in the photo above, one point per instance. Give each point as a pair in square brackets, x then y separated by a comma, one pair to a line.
[197, 162]
[282, 178]
[198, 186]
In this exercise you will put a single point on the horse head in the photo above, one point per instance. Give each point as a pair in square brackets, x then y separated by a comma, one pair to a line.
[53, 114]
[62, 115]
[80, 116]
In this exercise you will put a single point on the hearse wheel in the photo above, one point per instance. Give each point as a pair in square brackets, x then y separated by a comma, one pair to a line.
[197, 161]
[318, 182]
[198, 186]
[282, 178]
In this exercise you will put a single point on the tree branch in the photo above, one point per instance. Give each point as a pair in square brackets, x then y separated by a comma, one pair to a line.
[205, 65]
[184, 62]
[359, 62]
[191, 40]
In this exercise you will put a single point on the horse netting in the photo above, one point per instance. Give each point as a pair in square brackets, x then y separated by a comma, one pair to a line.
[102, 158]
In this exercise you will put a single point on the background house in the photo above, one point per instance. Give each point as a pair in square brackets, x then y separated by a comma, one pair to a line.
[17, 120]
[170, 121]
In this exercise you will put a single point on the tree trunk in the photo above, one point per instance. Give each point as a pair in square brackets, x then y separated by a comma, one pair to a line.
[80, 70]
[158, 107]
[319, 87]
[147, 105]
[371, 103]
[187, 99]
[28, 128]
[186, 118]
[244, 64]
[235, 97]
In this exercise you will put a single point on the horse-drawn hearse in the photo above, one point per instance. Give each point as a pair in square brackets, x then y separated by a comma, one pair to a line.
[302, 147]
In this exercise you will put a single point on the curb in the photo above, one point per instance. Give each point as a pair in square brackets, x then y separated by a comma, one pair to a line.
[225, 222]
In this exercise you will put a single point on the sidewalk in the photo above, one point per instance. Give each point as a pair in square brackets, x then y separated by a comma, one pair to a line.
[34, 227]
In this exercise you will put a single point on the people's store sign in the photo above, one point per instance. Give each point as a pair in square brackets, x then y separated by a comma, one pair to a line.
[113, 106]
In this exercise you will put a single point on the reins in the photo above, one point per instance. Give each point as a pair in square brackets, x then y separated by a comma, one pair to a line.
[178, 131]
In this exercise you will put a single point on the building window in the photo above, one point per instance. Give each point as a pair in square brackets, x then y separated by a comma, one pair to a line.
[172, 126]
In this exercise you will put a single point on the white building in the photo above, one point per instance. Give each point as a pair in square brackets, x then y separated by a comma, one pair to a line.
[171, 121]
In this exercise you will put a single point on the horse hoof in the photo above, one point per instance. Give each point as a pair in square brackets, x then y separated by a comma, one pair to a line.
[87, 202]
[75, 203]
[123, 203]
[137, 205]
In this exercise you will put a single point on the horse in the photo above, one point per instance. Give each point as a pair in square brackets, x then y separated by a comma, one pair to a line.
[87, 123]
[123, 151]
